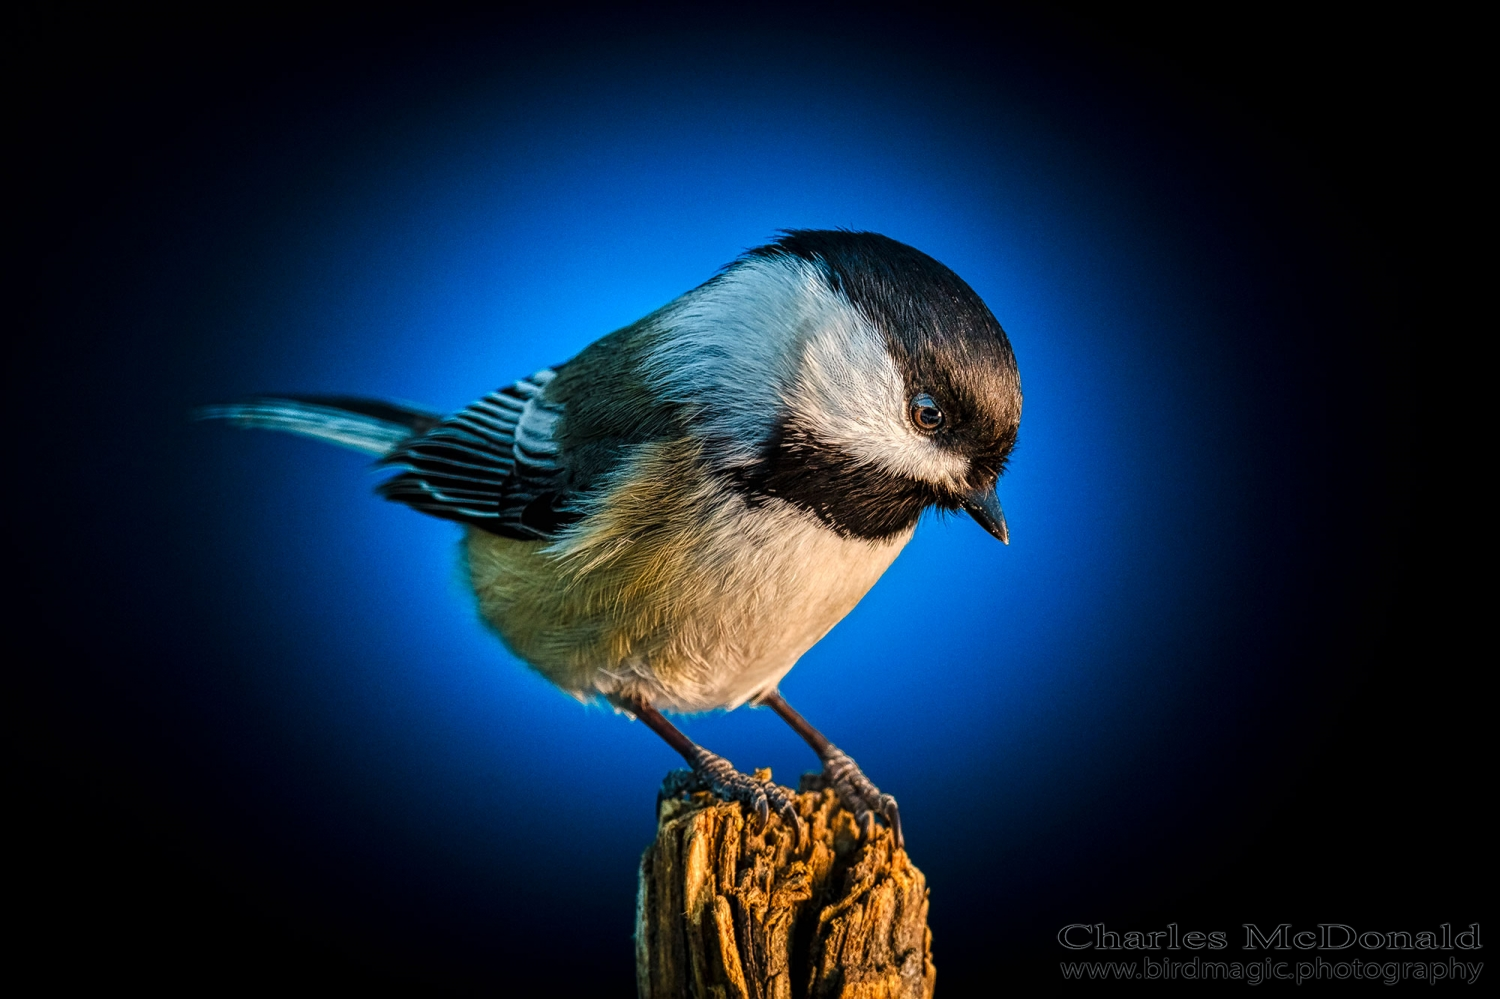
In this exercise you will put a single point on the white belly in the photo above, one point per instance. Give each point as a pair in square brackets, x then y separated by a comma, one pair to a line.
[674, 589]
[770, 582]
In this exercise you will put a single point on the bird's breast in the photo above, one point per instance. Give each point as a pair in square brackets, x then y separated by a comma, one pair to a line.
[674, 587]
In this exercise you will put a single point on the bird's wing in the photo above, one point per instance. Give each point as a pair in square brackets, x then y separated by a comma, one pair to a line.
[494, 465]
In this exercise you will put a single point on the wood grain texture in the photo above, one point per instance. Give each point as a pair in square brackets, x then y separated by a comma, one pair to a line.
[725, 912]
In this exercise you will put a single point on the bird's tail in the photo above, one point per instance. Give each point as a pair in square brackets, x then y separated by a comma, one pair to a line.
[366, 425]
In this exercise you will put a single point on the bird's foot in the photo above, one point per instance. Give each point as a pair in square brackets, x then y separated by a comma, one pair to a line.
[859, 795]
[715, 774]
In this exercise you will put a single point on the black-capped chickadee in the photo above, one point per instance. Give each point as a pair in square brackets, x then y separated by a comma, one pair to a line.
[672, 518]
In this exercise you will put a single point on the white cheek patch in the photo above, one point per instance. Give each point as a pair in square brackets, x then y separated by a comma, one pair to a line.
[733, 343]
[771, 334]
[849, 393]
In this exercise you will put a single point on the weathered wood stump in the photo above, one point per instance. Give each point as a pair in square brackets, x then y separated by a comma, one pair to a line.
[729, 913]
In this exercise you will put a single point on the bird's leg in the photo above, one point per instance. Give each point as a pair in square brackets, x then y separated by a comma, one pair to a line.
[854, 789]
[711, 772]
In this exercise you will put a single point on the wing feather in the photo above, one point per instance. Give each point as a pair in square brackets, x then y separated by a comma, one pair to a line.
[495, 465]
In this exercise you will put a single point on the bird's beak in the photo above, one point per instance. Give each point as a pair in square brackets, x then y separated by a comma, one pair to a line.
[984, 506]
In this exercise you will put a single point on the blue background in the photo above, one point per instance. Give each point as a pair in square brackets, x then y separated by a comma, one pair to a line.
[284, 686]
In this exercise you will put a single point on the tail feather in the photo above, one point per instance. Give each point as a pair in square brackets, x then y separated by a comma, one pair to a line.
[365, 425]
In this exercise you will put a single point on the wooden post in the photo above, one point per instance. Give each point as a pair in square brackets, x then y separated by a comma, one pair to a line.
[725, 912]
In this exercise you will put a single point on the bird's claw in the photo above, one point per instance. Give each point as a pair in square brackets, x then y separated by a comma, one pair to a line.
[859, 795]
[676, 784]
[717, 775]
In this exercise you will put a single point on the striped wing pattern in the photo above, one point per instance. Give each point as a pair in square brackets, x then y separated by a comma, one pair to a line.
[493, 465]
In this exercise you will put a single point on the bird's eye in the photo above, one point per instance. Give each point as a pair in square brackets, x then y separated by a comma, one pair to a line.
[925, 415]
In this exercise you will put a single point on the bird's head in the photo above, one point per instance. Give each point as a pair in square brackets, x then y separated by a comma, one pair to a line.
[853, 376]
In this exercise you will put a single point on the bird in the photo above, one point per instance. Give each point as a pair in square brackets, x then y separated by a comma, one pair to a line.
[669, 520]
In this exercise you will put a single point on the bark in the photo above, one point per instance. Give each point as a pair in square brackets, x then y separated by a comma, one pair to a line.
[731, 913]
